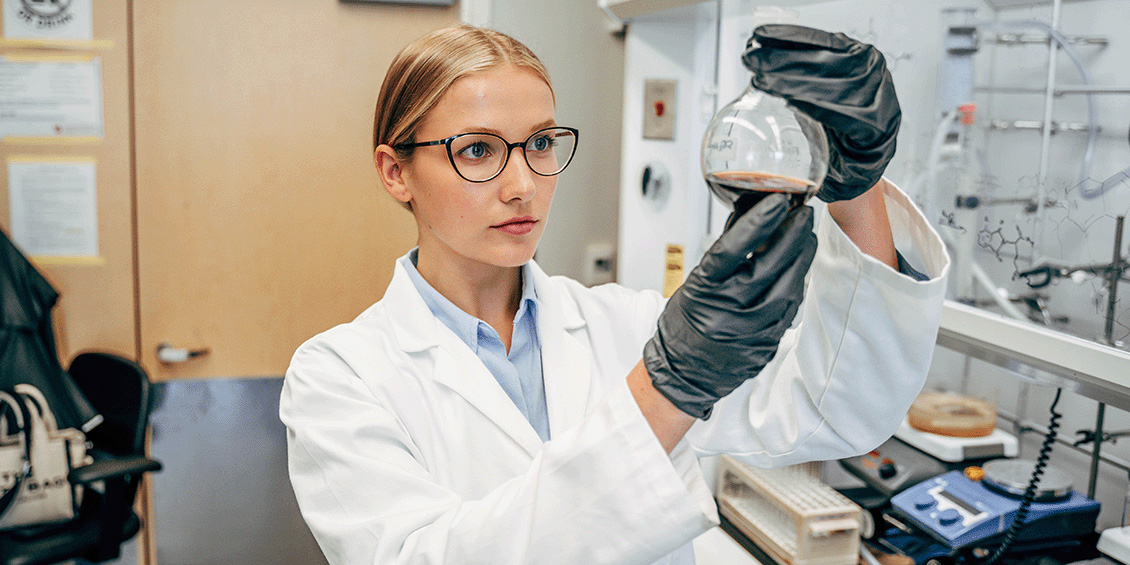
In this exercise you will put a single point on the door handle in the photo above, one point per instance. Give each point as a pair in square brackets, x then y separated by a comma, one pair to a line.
[166, 353]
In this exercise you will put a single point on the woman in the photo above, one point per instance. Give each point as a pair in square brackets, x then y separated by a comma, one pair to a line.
[483, 412]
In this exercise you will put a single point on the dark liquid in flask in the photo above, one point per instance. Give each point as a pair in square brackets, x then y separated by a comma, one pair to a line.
[750, 188]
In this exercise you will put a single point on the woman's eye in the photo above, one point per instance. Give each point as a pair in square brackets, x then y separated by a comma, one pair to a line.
[541, 143]
[476, 150]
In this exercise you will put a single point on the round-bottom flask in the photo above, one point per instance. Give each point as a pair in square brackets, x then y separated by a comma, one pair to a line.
[759, 144]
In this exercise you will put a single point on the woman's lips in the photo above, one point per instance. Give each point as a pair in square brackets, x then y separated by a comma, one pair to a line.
[518, 226]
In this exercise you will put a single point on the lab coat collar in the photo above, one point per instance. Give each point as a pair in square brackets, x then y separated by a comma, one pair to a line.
[566, 366]
[569, 316]
[404, 302]
[466, 326]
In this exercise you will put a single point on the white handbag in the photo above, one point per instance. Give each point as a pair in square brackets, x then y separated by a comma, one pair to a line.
[35, 459]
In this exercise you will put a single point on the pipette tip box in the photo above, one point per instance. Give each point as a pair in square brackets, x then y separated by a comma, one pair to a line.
[789, 514]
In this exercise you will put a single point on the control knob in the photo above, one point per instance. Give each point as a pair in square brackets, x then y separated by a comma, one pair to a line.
[949, 517]
[887, 470]
[924, 502]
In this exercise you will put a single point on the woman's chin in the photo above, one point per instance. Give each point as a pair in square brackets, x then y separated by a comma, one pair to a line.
[514, 257]
[516, 261]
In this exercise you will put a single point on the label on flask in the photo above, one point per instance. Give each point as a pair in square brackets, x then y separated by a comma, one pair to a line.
[722, 149]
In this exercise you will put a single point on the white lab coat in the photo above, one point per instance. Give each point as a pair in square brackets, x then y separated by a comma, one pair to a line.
[404, 449]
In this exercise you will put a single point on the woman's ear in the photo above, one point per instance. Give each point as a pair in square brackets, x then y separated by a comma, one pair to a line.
[392, 173]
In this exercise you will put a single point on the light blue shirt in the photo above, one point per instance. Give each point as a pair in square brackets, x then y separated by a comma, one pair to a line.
[519, 372]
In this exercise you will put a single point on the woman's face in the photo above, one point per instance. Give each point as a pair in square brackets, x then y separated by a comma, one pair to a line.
[498, 222]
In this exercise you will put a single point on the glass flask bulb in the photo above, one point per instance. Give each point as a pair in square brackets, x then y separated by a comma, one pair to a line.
[759, 144]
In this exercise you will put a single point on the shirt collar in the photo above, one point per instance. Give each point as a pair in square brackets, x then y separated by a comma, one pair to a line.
[466, 326]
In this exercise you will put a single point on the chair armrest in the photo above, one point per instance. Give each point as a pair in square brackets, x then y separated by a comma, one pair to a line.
[113, 467]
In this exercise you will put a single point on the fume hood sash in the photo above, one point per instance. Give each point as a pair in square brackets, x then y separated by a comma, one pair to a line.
[1087, 368]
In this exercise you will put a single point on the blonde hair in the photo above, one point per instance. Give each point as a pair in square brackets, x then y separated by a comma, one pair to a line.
[422, 72]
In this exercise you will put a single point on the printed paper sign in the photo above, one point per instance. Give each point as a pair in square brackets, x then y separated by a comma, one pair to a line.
[54, 207]
[40, 98]
[71, 20]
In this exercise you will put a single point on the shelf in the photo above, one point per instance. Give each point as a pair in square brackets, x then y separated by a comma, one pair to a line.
[629, 9]
[1087, 368]
[1000, 4]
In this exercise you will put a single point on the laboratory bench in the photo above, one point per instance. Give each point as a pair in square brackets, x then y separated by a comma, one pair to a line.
[727, 545]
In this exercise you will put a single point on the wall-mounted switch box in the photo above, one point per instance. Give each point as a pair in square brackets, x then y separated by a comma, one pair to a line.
[659, 108]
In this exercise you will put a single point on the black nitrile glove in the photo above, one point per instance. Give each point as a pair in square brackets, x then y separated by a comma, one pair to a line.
[724, 324]
[839, 82]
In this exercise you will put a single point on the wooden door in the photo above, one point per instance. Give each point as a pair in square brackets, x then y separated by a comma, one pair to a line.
[261, 219]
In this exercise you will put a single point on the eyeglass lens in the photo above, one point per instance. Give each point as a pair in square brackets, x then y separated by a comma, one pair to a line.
[478, 157]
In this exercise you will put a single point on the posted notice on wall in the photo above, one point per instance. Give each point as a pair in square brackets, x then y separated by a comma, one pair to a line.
[68, 20]
[54, 207]
[50, 98]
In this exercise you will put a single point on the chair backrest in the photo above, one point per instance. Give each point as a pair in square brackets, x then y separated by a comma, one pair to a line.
[119, 390]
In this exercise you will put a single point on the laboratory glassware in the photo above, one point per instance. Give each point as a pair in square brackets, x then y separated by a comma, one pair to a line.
[760, 144]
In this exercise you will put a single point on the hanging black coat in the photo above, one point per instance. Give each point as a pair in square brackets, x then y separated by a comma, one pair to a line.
[27, 339]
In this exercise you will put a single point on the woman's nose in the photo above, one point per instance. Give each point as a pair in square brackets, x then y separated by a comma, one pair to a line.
[518, 180]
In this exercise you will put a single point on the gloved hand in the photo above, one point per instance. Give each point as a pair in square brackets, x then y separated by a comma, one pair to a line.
[839, 82]
[724, 324]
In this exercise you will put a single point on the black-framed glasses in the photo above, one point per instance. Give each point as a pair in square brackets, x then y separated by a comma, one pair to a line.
[479, 157]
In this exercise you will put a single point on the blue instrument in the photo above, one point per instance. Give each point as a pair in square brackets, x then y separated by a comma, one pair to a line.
[960, 512]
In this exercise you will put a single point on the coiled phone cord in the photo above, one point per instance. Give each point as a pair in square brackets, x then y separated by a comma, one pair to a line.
[1030, 492]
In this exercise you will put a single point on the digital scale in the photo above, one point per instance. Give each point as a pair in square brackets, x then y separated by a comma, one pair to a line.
[999, 443]
[962, 513]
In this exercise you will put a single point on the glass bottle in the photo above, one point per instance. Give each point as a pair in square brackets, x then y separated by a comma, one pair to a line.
[759, 144]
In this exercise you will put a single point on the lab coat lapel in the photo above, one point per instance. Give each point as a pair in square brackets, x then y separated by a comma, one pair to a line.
[454, 365]
[460, 370]
[565, 359]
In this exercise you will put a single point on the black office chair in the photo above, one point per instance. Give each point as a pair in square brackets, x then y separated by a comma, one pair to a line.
[119, 390]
